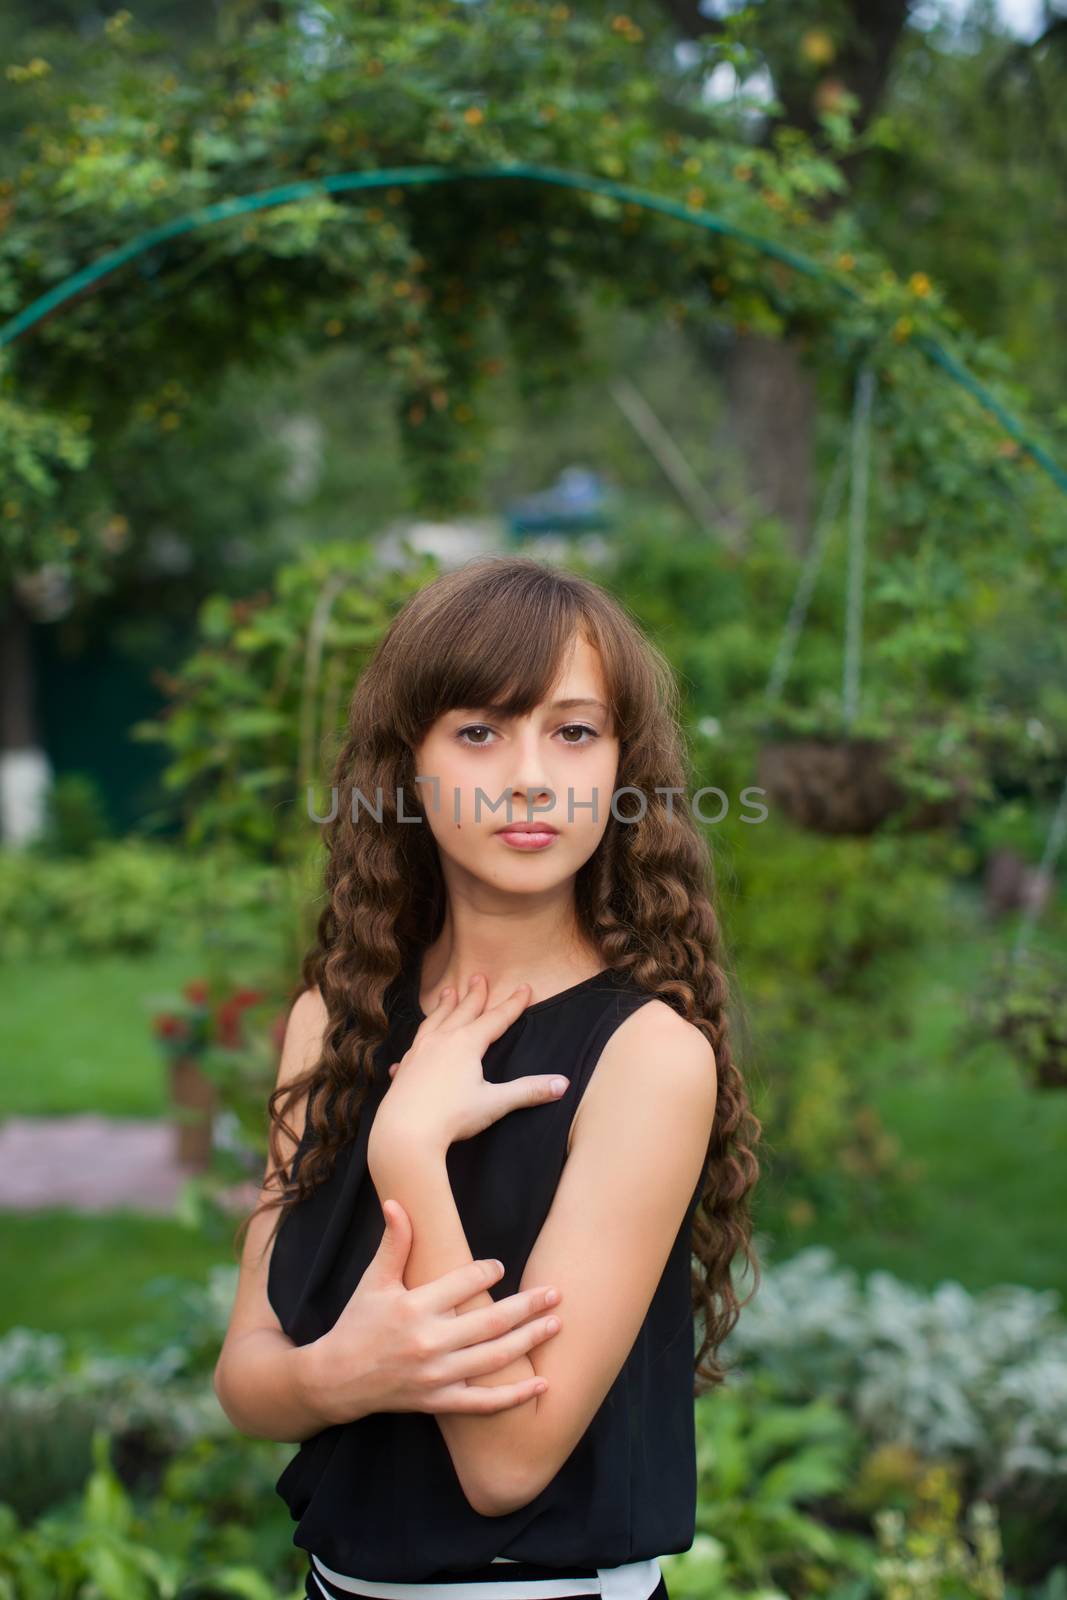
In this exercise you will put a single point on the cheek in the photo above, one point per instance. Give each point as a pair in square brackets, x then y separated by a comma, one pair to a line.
[438, 759]
[597, 779]
[459, 777]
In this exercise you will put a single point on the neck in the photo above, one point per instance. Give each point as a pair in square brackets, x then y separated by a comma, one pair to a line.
[544, 950]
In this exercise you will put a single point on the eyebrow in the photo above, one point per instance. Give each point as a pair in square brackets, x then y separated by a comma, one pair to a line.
[557, 705]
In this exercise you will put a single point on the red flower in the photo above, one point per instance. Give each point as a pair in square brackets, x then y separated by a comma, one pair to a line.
[171, 1027]
[196, 991]
[247, 997]
[227, 1021]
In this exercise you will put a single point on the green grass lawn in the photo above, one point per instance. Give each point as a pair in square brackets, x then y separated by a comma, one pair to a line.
[89, 1278]
[78, 1033]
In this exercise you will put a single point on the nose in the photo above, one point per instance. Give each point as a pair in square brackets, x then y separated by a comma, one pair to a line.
[531, 792]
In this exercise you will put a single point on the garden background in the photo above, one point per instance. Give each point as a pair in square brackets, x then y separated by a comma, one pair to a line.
[754, 314]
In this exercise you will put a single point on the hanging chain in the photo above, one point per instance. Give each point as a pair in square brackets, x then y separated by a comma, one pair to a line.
[1053, 844]
[857, 537]
[808, 574]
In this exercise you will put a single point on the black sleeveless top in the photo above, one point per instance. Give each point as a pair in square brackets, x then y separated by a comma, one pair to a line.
[379, 1497]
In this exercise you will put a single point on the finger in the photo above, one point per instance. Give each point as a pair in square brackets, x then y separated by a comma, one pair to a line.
[492, 1354]
[451, 1289]
[482, 1399]
[389, 1260]
[472, 1002]
[446, 1004]
[525, 1092]
[497, 1019]
[487, 1322]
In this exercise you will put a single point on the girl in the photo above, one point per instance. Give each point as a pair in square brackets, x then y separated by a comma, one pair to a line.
[511, 1088]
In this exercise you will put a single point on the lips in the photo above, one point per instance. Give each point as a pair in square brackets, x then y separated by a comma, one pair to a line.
[528, 827]
[527, 837]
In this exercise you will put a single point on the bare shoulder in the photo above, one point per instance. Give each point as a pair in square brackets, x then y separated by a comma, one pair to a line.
[309, 1015]
[307, 1018]
[653, 1045]
[301, 1048]
[656, 1037]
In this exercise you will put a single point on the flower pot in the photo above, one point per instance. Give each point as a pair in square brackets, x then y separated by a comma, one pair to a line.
[195, 1099]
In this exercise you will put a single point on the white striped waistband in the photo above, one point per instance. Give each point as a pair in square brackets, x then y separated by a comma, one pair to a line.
[635, 1580]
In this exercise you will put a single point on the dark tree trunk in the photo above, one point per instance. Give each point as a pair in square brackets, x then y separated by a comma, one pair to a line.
[23, 764]
[18, 717]
[770, 409]
[770, 394]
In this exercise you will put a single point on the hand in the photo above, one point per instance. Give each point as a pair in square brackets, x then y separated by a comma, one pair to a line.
[439, 1092]
[399, 1349]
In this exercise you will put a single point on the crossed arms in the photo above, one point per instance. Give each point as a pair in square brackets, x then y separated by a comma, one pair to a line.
[639, 1141]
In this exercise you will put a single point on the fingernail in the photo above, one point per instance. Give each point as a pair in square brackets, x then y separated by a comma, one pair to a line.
[559, 1085]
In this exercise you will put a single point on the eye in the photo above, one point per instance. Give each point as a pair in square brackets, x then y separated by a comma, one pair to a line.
[474, 727]
[482, 744]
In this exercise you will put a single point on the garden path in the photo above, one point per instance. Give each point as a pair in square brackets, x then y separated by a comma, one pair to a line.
[93, 1163]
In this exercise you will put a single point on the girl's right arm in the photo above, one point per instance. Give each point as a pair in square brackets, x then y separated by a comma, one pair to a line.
[392, 1348]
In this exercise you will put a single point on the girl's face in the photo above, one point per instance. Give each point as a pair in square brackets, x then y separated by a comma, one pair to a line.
[551, 765]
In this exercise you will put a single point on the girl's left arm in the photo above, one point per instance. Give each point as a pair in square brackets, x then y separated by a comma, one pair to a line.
[638, 1146]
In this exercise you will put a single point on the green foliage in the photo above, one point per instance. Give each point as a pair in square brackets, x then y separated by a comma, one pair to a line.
[423, 276]
[257, 712]
[760, 1465]
[957, 168]
[54, 1402]
[104, 1546]
[40, 453]
[975, 1381]
[956, 716]
[128, 895]
[1025, 1004]
[932, 1558]
[861, 901]
[76, 817]
[815, 927]
[1012, 825]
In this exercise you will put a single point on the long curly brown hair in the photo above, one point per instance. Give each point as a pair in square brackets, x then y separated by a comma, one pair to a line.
[497, 631]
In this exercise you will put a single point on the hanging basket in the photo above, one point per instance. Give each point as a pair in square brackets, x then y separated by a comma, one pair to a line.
[828, 785]
[843, 785]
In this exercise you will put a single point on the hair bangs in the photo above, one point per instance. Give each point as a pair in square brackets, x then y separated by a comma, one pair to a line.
[498, 645]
